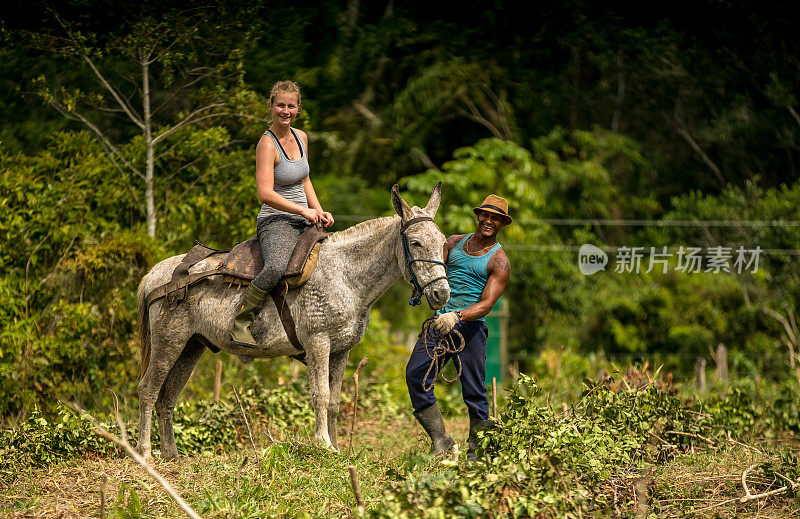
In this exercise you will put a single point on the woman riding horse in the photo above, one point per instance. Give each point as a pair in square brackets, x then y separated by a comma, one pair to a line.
[289, 203]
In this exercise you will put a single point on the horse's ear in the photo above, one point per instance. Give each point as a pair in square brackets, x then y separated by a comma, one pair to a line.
[400, 205]
[436, 198]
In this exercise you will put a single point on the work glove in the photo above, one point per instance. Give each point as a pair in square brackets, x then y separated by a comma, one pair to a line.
[445, 323]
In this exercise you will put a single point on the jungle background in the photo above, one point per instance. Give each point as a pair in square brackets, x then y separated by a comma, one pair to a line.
[128, 131]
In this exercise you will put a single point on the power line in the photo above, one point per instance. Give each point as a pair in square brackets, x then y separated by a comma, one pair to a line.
[576, 248]
[662, 223]
[622, 222]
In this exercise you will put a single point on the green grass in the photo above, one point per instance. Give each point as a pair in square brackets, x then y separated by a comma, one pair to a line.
[290, 478]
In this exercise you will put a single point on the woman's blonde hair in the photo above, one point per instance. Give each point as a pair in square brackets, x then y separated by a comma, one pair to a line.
[284, 87]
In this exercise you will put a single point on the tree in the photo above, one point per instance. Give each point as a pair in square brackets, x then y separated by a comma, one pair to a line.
[160, 77]
[764, 218]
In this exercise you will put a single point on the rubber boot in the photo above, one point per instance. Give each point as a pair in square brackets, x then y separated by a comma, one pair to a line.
[431, 420]
[475, 425]
[252, 302]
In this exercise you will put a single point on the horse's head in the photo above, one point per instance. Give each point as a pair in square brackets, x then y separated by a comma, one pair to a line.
[421, 247]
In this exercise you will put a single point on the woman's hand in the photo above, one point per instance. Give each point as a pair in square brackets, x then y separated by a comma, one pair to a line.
[326, 218]
[312, 215]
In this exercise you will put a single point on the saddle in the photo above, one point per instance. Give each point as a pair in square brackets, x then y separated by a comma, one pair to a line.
[239, 266]
[245, 261]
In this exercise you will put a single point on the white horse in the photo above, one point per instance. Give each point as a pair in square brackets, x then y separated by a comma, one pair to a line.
[331, 312]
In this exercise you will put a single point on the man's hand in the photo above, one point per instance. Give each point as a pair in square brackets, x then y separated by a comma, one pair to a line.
[445, 323]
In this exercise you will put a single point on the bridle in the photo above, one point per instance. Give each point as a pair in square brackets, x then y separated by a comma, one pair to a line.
[416, 295]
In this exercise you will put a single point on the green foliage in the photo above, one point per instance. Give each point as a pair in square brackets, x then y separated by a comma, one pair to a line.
[594, 174]
[543, 461]
[128, 506]
[200, 426]
[491, 165]
[68, 293]
[434, 496]
[42, 441]
[203, 426]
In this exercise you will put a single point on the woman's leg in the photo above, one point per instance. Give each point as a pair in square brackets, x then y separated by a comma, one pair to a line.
[278, 236]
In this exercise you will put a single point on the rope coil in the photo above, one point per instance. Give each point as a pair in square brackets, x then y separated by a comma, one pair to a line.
[453, 343]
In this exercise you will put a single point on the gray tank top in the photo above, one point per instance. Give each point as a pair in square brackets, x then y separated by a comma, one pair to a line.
[289, 175]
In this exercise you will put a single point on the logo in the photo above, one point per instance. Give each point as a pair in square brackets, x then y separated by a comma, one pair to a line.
[591, 259]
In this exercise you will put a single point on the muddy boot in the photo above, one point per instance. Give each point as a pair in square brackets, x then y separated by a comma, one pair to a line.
[431, 420]
[252, 302]
[475, 425]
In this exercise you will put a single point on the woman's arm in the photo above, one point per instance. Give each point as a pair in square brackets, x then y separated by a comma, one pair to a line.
[266, 156]
[311, 195]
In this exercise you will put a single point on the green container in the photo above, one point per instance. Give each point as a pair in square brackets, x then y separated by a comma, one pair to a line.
[496, 343]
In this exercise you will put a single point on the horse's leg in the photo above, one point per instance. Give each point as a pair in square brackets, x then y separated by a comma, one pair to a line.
[318, 357]
[164, 352]
[338, 362]
[168, 397]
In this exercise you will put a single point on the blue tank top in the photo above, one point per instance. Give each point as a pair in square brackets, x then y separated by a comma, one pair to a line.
[467, 276]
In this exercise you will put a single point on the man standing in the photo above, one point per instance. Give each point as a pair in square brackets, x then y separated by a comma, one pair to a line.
[477, 270]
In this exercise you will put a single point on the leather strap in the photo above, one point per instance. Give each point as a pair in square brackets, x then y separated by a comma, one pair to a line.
[197, 253]
[416, 295]
[409, 223]
[176, 288]
[286, 315]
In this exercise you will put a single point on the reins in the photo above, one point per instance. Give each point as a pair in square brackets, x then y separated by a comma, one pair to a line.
[416, 295]
[443, 345]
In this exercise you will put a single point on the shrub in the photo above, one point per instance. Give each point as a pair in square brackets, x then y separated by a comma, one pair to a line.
[542, 461]
[40, 441]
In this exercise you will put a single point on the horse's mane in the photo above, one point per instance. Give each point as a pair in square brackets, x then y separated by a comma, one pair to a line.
[359, 229]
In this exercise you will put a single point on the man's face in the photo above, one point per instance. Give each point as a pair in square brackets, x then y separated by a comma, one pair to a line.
[489, 224]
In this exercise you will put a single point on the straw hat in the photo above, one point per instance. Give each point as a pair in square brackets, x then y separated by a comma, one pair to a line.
[495, 204]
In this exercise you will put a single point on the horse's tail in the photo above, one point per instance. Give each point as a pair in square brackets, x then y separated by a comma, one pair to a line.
[144, 327]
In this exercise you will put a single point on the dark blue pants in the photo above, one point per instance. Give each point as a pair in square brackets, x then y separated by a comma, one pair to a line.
[473, 374]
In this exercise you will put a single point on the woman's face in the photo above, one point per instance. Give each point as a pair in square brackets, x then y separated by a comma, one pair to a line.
[284, 108]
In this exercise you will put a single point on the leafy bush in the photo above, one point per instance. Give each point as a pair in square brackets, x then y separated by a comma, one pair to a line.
[205, 426]
[558, 462]
[40, 441]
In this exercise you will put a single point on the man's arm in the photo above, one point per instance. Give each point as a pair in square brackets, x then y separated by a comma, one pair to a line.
[499, 271]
